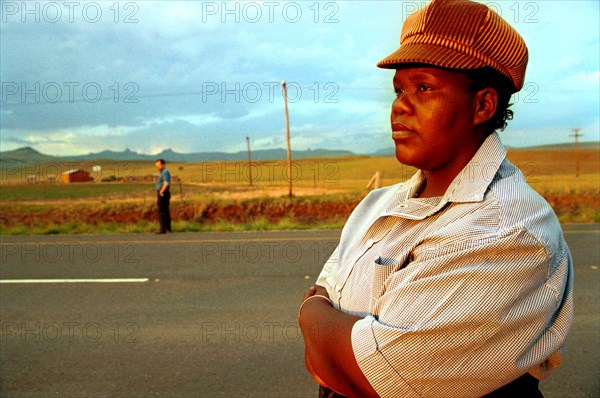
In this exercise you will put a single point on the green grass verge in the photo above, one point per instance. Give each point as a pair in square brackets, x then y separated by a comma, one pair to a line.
[212, 214]
[147, 227]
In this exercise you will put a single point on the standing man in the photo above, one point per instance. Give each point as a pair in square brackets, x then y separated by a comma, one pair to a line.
[163, 197]
[458, 282]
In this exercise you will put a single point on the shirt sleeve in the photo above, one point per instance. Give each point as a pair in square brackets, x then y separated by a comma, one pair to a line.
[327, 276]
[465, 319]
[167, 177]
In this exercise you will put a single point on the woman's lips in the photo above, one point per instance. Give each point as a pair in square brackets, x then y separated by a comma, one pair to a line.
[400, 131]
[398, 135]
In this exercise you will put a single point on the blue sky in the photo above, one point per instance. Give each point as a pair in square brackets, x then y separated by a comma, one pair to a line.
[84, 76]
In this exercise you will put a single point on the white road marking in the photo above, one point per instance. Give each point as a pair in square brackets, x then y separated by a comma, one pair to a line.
[105, 280]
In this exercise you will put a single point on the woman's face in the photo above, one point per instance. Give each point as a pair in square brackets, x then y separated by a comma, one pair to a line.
[433, 119]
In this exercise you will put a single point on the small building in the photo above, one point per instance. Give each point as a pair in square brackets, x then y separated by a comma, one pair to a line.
[76, 175]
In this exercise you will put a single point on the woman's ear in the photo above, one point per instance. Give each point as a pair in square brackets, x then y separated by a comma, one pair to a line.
[486, 103]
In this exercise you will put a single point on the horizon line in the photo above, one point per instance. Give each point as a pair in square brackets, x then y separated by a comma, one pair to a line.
[271, 149]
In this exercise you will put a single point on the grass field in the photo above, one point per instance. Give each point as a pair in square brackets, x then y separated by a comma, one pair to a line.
[218, 195]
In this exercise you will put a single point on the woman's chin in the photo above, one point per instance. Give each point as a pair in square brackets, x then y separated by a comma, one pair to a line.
[402, 154]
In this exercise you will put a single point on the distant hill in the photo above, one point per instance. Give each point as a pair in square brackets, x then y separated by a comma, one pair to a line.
[30, 155]
[583, 145]
[26, 155]
[389, 152]
[571, 145]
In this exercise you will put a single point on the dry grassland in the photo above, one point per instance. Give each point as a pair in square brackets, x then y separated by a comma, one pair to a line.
[218, 195]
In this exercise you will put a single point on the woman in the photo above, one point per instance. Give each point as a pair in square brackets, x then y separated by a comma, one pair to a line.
[458, 282]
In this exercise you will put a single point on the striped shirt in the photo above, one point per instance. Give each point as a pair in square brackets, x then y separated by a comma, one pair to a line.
[459, 294]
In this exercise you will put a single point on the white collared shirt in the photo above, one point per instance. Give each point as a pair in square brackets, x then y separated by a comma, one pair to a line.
[459, 294]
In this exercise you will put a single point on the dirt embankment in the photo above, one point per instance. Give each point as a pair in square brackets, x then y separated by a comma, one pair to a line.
[273, 211]
[315, 211]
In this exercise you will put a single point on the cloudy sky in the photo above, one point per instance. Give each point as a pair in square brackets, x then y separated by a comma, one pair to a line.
[84, 76]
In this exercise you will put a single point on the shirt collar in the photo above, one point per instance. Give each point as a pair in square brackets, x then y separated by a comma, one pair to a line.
[473, 181]
[469, 185]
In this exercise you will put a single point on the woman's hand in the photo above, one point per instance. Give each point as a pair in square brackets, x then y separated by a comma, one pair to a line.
[315, 289]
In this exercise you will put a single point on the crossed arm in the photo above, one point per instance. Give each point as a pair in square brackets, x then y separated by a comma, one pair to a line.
[329, 355]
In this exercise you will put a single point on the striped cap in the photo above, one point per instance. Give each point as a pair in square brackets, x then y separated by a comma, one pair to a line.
[461, 34]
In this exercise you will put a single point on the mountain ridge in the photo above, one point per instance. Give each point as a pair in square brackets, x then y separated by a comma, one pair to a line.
[570, 145]
[28, 154]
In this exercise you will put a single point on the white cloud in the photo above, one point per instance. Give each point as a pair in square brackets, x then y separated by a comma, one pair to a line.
[175, 47]
[582, 80]
[194, 119]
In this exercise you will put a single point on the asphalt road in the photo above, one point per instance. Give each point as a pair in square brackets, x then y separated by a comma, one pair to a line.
[199, 315]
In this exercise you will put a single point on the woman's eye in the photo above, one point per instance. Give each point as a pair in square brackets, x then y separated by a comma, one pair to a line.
[398, 91]
[424, 87]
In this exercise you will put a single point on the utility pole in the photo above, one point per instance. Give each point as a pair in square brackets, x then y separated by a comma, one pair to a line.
[249, 162]
[287, 135]
[576, 135]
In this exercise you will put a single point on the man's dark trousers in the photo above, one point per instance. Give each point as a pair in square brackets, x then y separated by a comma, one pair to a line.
[164, 215]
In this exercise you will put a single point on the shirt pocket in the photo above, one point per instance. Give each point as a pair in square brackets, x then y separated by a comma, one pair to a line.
[383, 268]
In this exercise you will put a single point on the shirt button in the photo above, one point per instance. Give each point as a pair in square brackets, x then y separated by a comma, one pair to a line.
[403, 205]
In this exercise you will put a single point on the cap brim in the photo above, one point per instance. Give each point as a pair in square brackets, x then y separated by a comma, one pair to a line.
[422, 53]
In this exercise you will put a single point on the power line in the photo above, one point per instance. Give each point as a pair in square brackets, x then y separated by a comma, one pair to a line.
[576, 134]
